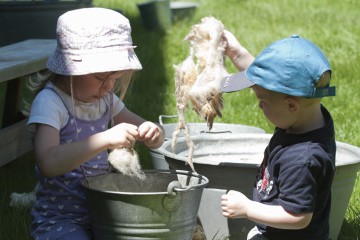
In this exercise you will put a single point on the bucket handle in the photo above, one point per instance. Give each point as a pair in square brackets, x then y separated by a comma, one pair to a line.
[174, 187]
[215, 132]
[201, 132]
[166, 116]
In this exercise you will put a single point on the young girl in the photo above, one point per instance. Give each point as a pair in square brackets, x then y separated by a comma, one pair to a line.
[71, 113]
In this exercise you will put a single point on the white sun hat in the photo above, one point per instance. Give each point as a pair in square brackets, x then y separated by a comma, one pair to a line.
[91, 40]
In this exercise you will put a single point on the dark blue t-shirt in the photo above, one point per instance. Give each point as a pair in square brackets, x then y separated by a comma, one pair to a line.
[297, 173]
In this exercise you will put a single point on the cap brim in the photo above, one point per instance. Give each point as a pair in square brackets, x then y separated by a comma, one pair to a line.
[236, 82]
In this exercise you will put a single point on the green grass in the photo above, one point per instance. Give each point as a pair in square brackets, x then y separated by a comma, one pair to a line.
[331, 24]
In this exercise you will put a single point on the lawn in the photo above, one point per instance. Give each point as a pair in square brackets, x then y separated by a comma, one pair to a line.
[331, 24]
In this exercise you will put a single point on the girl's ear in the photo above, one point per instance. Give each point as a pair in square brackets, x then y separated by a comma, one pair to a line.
[292, 104]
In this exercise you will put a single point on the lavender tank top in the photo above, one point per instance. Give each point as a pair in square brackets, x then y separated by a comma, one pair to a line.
[61, 199]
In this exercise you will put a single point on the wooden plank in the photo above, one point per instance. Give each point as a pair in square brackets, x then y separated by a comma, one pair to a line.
[26, 57]
[15, 141]
[11, 113]
[17, 60]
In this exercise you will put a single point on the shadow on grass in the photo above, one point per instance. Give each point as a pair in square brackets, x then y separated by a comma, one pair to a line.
[145, 96]
[16, 176]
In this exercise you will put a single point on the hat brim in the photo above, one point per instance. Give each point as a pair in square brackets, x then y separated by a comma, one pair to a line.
[236, 82]
[109, 61]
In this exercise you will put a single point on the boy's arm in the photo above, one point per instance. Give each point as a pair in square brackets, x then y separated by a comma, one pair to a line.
[238, 55]
[277, 216]
[237, 205]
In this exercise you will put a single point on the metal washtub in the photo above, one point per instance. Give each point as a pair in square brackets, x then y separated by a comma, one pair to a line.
[232, 161]
[196, 129]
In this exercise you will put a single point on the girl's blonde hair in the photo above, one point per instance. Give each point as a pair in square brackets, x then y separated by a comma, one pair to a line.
[38, 81]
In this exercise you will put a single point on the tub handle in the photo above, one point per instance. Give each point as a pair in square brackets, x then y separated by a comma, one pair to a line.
[201, 132]
[215, 132]
[166, 116]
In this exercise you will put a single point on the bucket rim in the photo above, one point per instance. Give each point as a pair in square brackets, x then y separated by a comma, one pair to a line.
[204, 182]
[350, 148]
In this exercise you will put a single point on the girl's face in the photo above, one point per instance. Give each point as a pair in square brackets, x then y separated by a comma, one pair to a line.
[92, 87]
[275, 107]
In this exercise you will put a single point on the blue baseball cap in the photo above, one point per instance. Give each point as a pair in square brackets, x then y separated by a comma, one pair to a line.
[292, 66]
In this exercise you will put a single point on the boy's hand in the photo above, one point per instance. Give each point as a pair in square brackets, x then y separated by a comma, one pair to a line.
[237, 53]
[234, 204]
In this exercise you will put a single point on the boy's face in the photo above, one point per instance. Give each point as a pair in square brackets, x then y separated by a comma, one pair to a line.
[275, 107]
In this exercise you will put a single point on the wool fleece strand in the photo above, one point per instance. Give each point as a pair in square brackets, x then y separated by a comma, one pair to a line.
[198, 78]
[126, 161]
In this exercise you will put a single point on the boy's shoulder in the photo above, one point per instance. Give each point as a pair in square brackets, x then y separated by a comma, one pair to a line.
[318, 145]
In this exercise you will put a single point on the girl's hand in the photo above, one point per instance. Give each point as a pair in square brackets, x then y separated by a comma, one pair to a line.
[122, 135]
[234, 204]
[151, 134]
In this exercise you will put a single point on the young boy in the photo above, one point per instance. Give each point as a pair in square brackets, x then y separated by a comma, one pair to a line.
[292, 193]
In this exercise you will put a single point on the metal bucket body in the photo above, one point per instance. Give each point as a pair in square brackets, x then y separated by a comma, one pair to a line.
[181, 10]
[123, 207]
[22, 20]
[156, 14]
[347, 165]
[231, 163]
[198, 129]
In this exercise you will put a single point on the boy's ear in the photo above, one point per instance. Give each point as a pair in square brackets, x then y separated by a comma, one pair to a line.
[292, 104]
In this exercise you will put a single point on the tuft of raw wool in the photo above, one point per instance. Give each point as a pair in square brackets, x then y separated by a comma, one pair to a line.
[185, 76]
[126, 161]
[199, 76]
[23, 200]
[208, 47]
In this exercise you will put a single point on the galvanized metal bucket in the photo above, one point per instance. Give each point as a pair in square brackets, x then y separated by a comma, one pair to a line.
[182, 10]
[162, 206]
[156, 14]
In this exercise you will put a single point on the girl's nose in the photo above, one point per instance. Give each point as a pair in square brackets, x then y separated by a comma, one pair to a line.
[108, 85]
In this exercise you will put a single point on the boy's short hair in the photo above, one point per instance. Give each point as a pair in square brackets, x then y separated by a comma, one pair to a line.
[293, 66]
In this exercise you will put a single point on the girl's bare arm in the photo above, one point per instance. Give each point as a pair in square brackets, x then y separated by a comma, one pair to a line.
[54, 159]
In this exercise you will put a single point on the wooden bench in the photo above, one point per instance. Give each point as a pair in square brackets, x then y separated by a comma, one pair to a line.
[16, 61]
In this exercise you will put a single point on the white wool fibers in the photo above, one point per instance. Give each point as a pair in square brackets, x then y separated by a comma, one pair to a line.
[126, 161]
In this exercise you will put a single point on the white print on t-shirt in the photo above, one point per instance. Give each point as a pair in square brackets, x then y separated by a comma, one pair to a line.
[265, 185]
